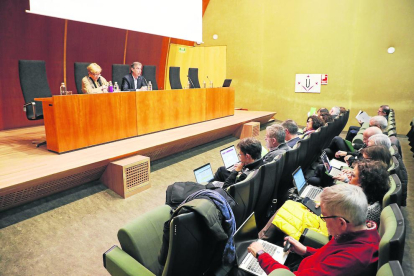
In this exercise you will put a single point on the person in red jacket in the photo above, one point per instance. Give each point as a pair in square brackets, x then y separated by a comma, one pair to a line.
[353, 249]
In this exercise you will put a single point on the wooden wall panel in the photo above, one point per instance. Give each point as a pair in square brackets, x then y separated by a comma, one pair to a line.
[26, 36]
[93, 43]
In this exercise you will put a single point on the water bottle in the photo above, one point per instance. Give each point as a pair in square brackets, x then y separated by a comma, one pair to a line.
[149, 86]
[63, 89]
[116, 87]
[204, 84]
[211, 84]
[110, 87]
[189, 84]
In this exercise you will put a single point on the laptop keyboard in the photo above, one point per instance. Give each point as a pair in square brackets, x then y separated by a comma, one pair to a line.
[254, 264]
[313, 192]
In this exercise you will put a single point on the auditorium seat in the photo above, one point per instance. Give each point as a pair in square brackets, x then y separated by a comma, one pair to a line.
[118, 72]
[149, 73]
[392, 233]
[80, 72]
[174, 75]
[192, 247]
[394, 194]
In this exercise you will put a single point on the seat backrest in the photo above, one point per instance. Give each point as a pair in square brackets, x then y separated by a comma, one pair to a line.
[34, 84]
[286, 179]
[118, 72]
[246, 195]
[149, 73]
[303, 156]
[392, 233]
[392, 268]
[193, 249]
[394, 194]
[271, 173]
[80, 72]
[174, 75]
[149, 225]
[193, 74]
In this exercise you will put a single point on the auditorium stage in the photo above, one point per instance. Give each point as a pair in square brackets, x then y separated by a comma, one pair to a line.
[28, 173]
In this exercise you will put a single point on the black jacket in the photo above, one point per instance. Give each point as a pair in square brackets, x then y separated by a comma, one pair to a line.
[128, 83]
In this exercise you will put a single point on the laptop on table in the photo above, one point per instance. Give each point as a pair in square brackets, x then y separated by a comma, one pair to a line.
[244, 236]
[227, 82]
[230, 157]
[304, 189]
[330, 170]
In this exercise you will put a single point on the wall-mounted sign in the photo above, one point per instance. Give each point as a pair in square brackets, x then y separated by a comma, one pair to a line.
[182, 49]
[308, 83]
[324, 79]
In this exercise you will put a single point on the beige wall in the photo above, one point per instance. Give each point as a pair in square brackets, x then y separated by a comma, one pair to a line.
[270, 41]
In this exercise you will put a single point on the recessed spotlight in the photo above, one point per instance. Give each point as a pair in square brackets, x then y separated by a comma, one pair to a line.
[215, 36]
[391, 50]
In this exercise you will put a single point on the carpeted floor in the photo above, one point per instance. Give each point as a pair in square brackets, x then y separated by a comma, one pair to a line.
[67, 233]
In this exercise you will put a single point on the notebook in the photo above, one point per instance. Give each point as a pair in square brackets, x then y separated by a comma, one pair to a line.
[337, 164]
[227, 83]
[244, 236]
[204, 174]
[230, 157]
[304, 189]
[330, 170]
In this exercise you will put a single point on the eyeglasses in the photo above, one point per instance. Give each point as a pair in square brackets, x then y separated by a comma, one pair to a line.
[323, 218]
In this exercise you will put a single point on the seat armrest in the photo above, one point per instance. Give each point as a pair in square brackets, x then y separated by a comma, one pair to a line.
[313, 239]
[119, 263]
[33, 104]
[281, 272]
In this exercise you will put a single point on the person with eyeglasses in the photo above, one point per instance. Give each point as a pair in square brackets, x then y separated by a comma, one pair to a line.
[94, 82]
[353, 248]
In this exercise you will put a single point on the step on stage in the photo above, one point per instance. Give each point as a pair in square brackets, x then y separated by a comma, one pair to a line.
[28, 173]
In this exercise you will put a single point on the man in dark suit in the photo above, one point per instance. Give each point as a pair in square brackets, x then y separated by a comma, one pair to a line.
[134, 81]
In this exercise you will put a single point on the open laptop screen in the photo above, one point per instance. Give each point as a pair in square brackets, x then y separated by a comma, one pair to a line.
[227, 83]
[299, 179]
[325, 161]
[229, 156]
[204, 174]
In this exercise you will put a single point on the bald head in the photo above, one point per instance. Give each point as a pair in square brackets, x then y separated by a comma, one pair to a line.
[369, 132]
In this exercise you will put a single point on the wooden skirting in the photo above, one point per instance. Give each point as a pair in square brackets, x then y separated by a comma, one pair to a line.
[28, 173]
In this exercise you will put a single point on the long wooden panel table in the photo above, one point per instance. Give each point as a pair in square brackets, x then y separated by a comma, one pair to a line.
[79, 121]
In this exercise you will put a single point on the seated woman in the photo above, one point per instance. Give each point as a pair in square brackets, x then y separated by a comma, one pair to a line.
[379, 153]
[94, 82]
[312, 124]
[353, 248]
[292, 218]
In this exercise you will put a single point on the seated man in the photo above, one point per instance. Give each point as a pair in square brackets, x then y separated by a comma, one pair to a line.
[134, 81]
[291, 129]
[384, 110]
[275, 142]
[353, 248]
[335, 111]
[250, 153]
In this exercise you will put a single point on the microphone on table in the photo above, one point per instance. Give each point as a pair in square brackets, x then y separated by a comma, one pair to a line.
[192, 84]
[145, 80]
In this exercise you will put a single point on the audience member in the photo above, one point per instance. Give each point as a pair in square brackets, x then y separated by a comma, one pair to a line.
[326, 117]
[250, 152]
[291, 129]
[275, 142]
[335, 111]
[312, 124]
[94, 82]
[342, 110]
[134, 81]
[353, 248]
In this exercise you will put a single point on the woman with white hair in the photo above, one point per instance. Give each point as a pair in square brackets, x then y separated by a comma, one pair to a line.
[353, 248]
[94, 82]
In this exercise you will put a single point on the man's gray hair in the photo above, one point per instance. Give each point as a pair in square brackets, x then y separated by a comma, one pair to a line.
[379, 121]
[345, 200]
[380, 140]
[277, 131]
[135, 63]
[335, 110]
[291, 126]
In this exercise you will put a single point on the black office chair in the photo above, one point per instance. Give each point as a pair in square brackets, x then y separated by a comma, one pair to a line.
[149, 73]
[175, 81]
[34, 84]
[118, 72]
[193, 75]
[80, 72]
